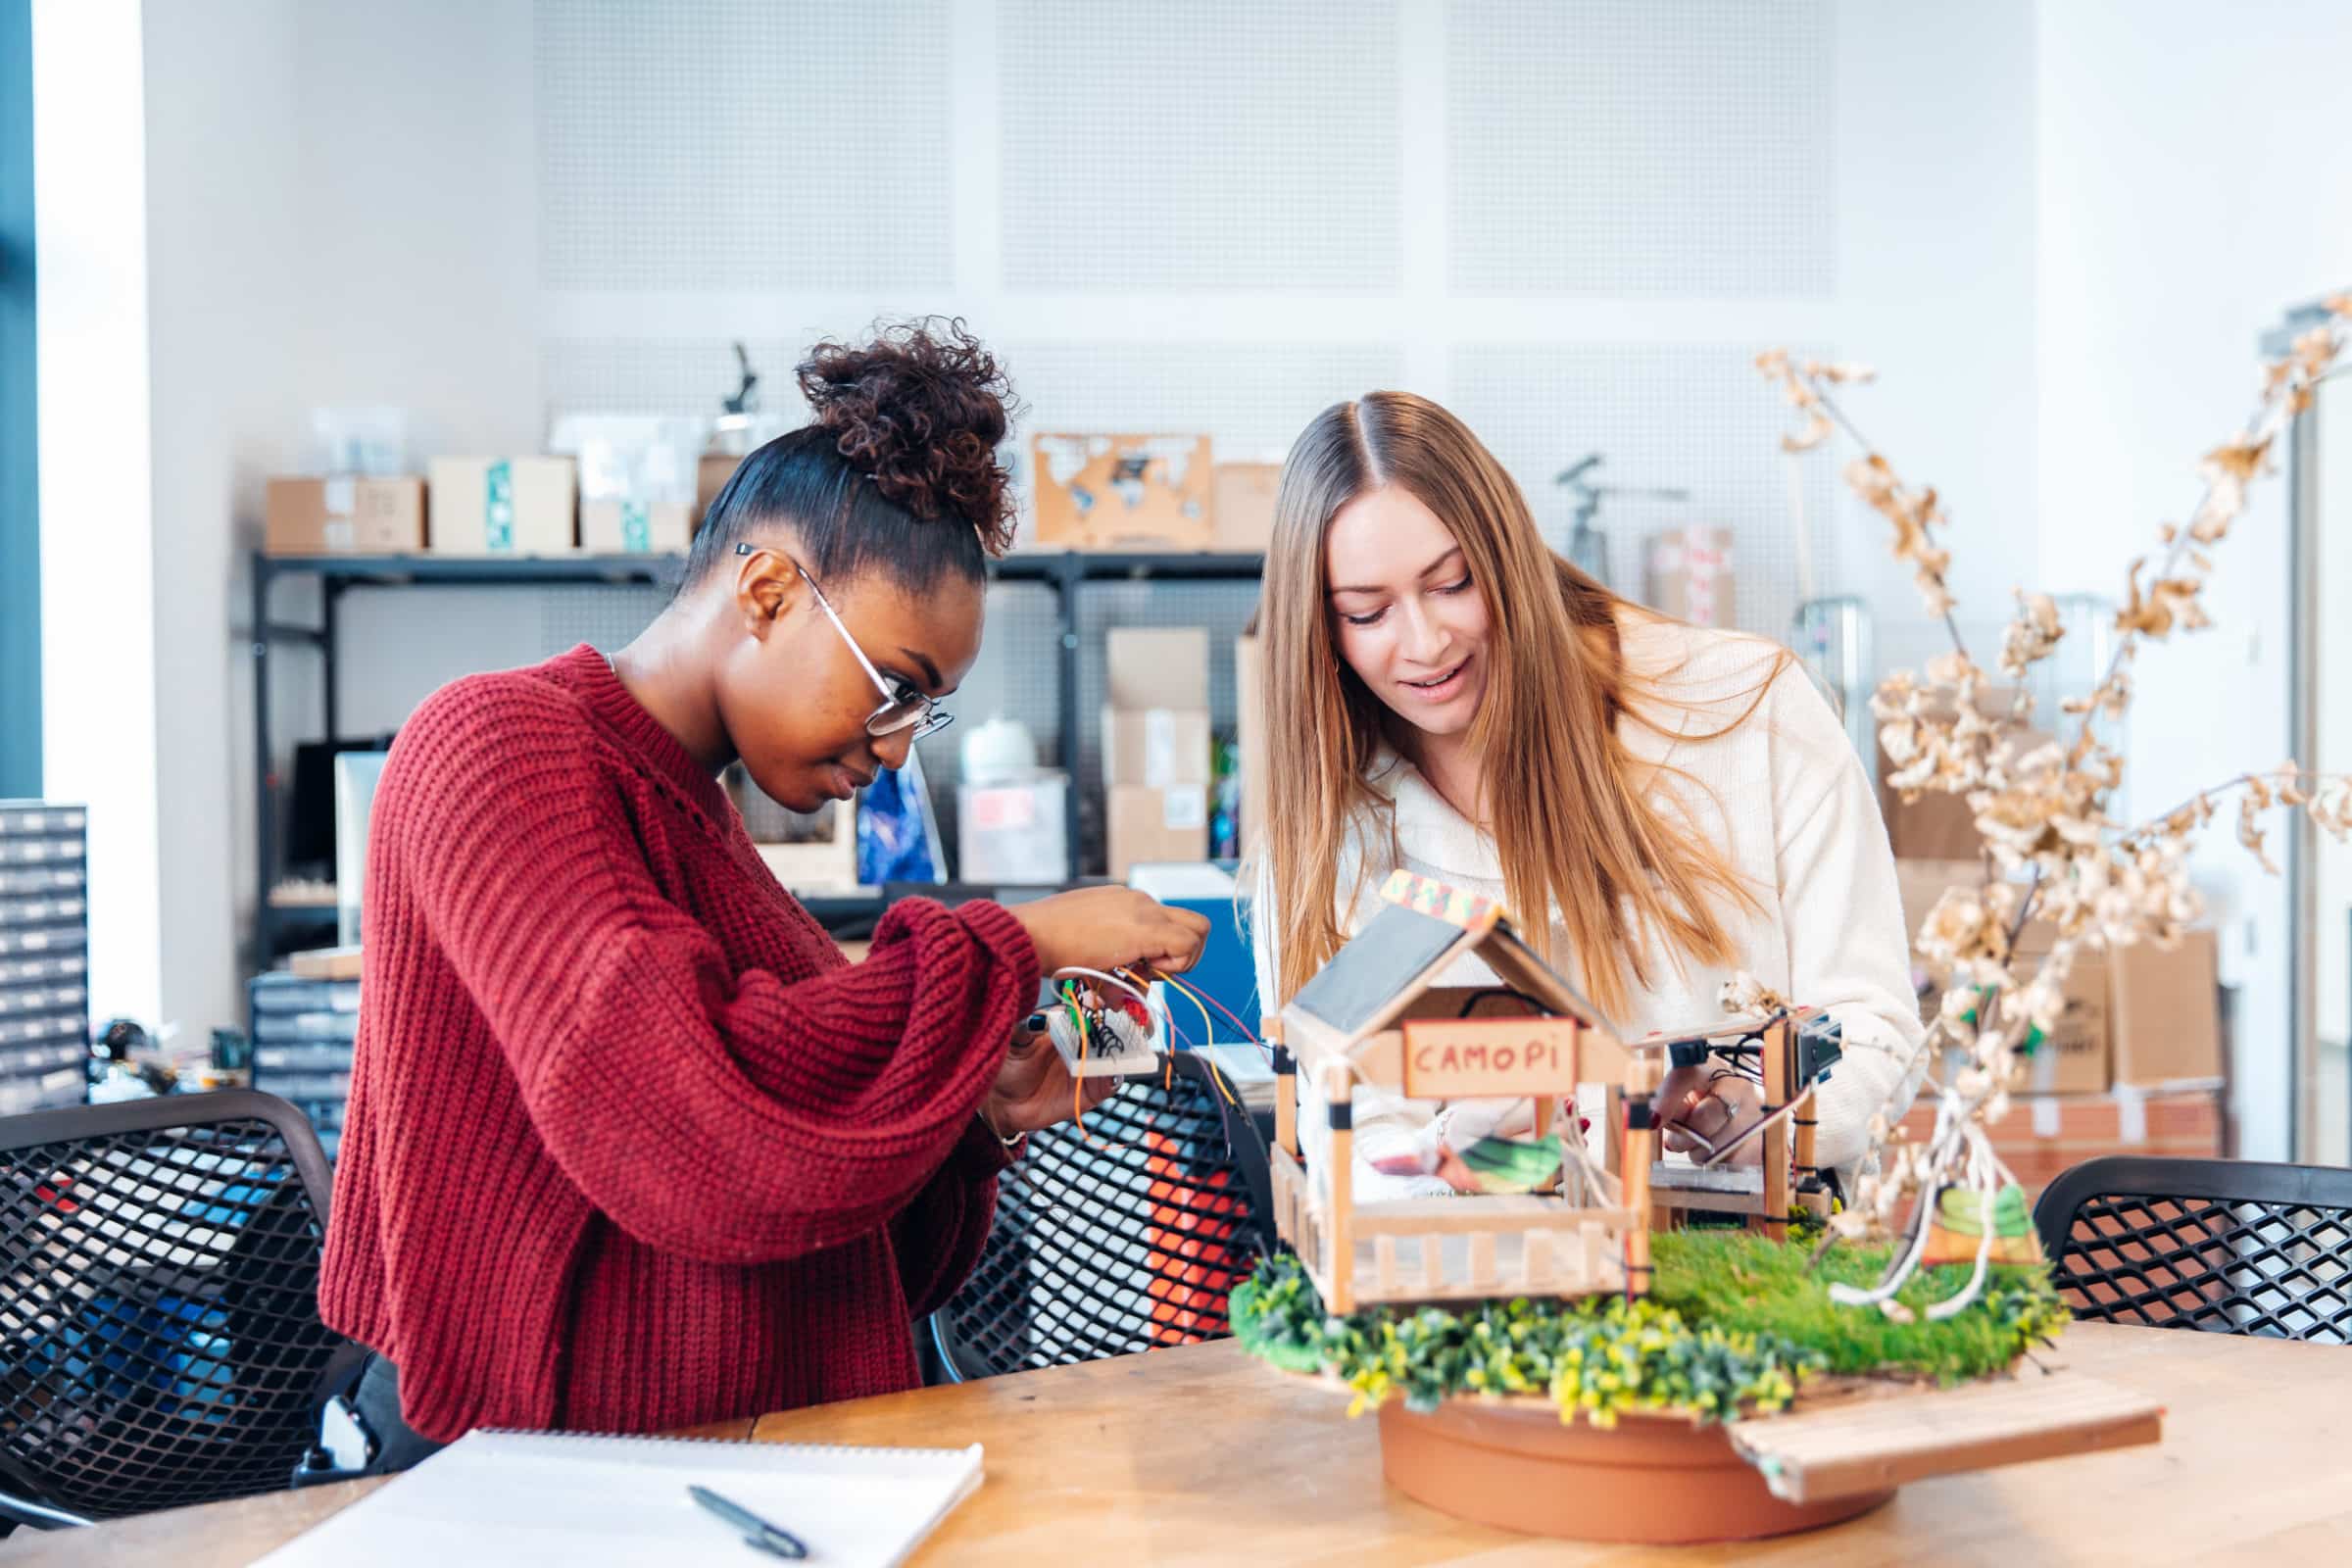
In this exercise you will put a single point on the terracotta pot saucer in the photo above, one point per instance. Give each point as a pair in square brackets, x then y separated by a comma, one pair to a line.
[1651, 1478]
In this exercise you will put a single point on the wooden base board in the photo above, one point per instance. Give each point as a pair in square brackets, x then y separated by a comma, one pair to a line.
[1882, 1437]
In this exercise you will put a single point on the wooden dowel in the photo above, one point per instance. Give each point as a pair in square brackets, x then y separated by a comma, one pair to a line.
[1639, 1156]
[1286, 1085]
[1778, 1084]
[1339, 1301]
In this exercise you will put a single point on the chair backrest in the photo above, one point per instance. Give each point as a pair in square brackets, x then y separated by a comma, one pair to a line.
[160, 1341]
[2231, 1247]
[1121, 1237]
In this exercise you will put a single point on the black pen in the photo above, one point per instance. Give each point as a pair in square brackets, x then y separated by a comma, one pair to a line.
[757, 1532]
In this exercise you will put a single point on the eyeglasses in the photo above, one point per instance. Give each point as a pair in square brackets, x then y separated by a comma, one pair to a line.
[903, 707]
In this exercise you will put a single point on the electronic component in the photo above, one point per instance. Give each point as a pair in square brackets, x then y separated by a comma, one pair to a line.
[1107, 1025]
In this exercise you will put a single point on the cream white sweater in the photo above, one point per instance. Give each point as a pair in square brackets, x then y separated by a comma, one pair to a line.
[1782, 794]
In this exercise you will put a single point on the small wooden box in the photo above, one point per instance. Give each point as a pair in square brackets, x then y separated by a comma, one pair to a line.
[1111, 492]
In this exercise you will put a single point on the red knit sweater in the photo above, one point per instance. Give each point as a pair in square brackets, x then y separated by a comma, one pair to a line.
[630, 1144]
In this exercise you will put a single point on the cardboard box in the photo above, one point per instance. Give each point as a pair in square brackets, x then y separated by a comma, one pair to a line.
[711, 474]
[2072, 1058]
[1114, 492]
[1244, 512]
[2159, 1011]
[504, 506]
[1921, 883]
[636, 476]
[1941, 827]
[1689, 575]
[2042, 1136]
[1250, 735]
[1933, 827]
[2166, 1014]
[1156, 746]
[1158, 666]
[326, 964]
[343, 517]
[636, 527]
[1015, 832]
[1148, 824]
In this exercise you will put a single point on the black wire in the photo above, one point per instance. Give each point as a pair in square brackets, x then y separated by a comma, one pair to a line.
[1477, 997]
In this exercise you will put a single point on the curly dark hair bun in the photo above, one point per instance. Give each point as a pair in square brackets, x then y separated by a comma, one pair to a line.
[921, 410]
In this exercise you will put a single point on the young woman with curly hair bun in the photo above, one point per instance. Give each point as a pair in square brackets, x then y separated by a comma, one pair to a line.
[631, 1145]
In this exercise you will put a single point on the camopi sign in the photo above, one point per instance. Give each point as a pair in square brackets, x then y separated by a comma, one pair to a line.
[1461, 1058]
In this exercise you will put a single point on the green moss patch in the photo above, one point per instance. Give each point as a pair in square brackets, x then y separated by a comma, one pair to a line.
[1736, 1323]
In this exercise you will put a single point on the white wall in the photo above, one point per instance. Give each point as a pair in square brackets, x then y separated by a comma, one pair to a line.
[98, 558]
[419, 254]
[1937, 141]
[226, 271]
[300, 205]
[339, 212]
[1927, 116]
[2192, 187]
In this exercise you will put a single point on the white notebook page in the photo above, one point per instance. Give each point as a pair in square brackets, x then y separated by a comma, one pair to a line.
[558, 1498]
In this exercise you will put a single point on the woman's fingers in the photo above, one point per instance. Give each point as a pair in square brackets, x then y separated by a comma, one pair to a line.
[1178, 939]
[1104, 928]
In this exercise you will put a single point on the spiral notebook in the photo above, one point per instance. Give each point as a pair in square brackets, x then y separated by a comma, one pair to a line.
[551, 1498]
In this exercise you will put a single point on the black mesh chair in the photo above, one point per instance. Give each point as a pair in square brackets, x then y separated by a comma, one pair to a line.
[160, 1341]
[2228, 1246]
[1125, 1236]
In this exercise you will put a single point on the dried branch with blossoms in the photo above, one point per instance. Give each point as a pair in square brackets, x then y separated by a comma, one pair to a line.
[2051, 849]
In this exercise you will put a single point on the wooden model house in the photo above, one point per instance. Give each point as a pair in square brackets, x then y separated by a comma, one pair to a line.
[1374, 1016]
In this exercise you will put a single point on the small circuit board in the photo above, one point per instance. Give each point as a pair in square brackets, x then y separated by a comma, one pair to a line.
[1107, 1027]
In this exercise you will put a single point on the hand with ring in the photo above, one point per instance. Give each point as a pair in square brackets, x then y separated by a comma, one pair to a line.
[1701, 1109]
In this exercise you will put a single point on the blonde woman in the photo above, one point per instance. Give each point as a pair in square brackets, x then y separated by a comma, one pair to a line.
[1662, 805]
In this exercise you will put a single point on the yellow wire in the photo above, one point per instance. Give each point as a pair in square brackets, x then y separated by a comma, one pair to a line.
[1078, 1083]
[1208, 1032]
[1218, 1078]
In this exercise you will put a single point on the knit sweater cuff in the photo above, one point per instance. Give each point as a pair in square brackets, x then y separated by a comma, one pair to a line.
[1004, 936]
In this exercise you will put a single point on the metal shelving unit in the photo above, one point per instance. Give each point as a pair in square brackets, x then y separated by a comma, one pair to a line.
[1066, 573]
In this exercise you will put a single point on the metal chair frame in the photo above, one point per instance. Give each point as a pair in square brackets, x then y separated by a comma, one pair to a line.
[160, 1339]
[2227, 1247]
[1107, 1243]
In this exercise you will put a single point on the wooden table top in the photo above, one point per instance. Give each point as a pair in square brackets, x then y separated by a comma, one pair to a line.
[1202, 1455]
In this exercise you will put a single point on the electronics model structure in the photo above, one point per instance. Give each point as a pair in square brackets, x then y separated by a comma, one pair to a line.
[1374, 1016]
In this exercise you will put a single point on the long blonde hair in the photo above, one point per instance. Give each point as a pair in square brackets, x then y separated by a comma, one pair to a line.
[1573, 828]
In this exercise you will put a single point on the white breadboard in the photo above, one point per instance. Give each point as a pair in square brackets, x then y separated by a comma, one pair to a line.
[1123, 1050]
